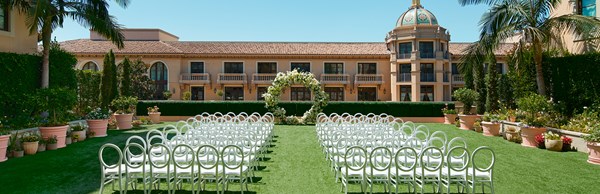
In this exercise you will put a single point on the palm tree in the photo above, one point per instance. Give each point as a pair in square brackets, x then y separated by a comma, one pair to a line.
[44, 16]
[531, 22]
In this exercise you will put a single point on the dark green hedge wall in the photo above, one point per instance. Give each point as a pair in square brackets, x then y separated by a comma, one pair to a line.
[400, 109]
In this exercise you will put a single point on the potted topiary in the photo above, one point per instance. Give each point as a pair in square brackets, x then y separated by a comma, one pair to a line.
[534, 113]
[593, 145]
[553, 141]
[57, 102]
[154, 114]
[490, 124]
[512, 134]
[449, 115]
[467, 97]
[167, 95]
[42, 145]
[124, 106]
[30, 142]
[52, 143]
[97, 120]
[79, 131]
[4, 139]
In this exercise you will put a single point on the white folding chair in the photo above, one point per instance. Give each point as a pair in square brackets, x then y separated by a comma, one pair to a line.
[378, 170]
[482, 168]
[429, 171]
[232, 158]
[456, 173]
[110, 173]
[353, 171]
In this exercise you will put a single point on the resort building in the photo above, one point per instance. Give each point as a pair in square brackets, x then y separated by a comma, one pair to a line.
[14, 34]
[573, 43]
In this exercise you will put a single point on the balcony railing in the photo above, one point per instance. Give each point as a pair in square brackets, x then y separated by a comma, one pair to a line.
[194, 78]
[368, 79]
[231, 78]
[427, 55]
[404, 55]
[446, 77]
[446, 55]
[335, 79]
[458, 79]
[404, 77]
[428, 77]
[263, 78]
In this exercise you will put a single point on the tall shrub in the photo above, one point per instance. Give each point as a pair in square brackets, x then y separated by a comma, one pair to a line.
[491, 81]
[505, 92]
[126, 77]
[467, 97]
[141, 84]
[62, 68]
[88, 91]
[480, 87]
[20, 78]
[108, 87]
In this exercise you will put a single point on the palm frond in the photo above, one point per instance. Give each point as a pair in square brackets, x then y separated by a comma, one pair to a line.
[477, 2]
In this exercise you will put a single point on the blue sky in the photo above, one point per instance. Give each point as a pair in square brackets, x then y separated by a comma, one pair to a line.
[283, 20]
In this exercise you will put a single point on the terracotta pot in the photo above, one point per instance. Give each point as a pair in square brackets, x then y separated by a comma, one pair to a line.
[490, 129]
[53, 146]
[553, 145]
[68, 141]
[3, 146]
[18, 154]
[449, 118]
[41, 147]
[467, 121]
[154, 117]
[81, 135]
[593, 152]
[512, 136]
[528, 135]
[124, 121]
[60, 132]
[98, 127]
[512, 118]
[30, 148]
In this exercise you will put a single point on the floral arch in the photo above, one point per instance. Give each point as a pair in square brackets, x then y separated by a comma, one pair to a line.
[285, 80]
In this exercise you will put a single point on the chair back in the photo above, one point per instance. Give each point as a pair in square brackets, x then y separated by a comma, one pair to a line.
[105, 166]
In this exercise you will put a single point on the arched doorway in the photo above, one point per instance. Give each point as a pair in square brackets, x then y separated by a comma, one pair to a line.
[160, 76]
[90, 66]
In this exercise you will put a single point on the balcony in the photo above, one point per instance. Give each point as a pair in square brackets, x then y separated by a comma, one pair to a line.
[404, 55]
[263, 78]
[368, 79]
[404, 77]
[458, 79]
[427, 77]
[231, 78]
[194, 78]
[335, 79]
[427, 55]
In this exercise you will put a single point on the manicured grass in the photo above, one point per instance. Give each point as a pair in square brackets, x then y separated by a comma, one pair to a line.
[296, 165]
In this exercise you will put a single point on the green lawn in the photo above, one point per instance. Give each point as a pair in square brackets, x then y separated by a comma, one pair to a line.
[296, 165]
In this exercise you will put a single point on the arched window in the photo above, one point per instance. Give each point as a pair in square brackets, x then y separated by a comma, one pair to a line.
[159, 74]
[90, 66]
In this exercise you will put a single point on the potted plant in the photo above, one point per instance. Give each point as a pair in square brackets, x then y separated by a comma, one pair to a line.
[79, 131]
[220, 93]
[533, 110]
[69, 139]
[16, 147]
[57, 102]
[512, 134]
[566, 143]
[52, 143]
[42, 145]
[124, 106]
[593, 145]
[30, 142]
[75, 138]
[467, 97]
[137, 123]
[97, 120]
[553, 141]
[477, 126]
[4, 139]
[511, 115]
[449, 115]
[167, 95]
[490, 124]
[154, 114]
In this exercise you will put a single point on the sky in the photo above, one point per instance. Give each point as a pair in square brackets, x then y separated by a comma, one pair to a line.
[283, 20]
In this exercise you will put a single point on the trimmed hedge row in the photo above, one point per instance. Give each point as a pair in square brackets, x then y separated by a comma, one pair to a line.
[399, 109]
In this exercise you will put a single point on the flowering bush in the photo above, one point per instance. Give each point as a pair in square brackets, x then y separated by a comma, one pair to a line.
[567, 140]
[534, 110]
[30, 137]
[153, 109]
[584, 122]
[285, 80]
[98, 114]
[551, 136]
[540, 141]
[594, 136]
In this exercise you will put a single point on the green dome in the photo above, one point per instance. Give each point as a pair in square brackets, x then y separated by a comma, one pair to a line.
[416, 15]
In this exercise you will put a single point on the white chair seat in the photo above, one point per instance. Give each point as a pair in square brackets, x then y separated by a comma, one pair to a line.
[453, 173]
[479, 174]
[236, 171]
[351, 172]
[426, 173]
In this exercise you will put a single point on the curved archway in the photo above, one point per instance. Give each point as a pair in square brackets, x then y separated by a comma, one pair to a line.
[91, 65]
[160, 77]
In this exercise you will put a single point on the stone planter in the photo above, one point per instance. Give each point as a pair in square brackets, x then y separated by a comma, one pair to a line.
[449, 118]
[18, 154]
[41, 147]
[512, 136]
[98, 127]
[52, 146]
[528, 134]
[553, 145]
[124, 121]
[154, 117]
[60, 132]
[512, 118]
[467, 121]
[3, 146]
[593, 152]
[81, 135]
[490, 128]
[30, 148]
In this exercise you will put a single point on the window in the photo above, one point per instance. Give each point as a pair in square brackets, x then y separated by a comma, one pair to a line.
[259, 92]
[335, 93]
[197, 93]
[234, 67]
[197, 67]
[234, 93]
[3, 19]
[455, 69]
[90, 66]
[160, 76]
[367, 68]
[334, 68]
[427, 93]
[405, 93]
[367, 94]
[267, 67]
[300, 94]
[405, 75]
[426, 49]
[427, 74]
[301, 67]
[404, 50]
[499, 68]
[587, 7]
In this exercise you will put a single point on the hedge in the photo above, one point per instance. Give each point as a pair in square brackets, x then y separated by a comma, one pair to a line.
[191, 108]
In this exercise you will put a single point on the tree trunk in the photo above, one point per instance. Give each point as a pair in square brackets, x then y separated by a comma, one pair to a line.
[541, 86]
[46, 38]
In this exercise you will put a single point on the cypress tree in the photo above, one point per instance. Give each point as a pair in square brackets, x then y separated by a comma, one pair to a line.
[114, 76]
[480, 87]
[108, 85]
[126, 78]
[491, 80]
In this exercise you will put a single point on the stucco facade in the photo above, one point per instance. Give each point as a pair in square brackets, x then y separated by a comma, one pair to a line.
[16, 37]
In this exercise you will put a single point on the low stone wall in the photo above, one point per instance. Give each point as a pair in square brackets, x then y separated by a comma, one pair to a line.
[37, 129]
[412, 119]
[578, 143]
